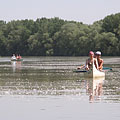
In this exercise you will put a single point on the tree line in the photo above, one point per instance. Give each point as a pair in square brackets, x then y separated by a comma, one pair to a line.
[58, 37]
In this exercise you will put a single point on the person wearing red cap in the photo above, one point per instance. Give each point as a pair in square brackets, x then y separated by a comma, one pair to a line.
[89, 61]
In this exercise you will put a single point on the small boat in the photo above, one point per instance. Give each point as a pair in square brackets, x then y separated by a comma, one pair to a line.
[16, 59]
[83, 70]
[94, 73]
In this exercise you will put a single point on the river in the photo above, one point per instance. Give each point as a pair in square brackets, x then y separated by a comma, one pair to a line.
[46, 88]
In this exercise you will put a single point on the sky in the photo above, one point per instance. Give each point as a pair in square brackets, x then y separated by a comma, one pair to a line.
[86, 11]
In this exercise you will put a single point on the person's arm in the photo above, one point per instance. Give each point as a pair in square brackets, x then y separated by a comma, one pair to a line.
[83, 66]
[101, 64]
[86, 66]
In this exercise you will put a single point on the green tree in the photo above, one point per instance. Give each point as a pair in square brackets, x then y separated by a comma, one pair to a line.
[107, 43]
[65, 38]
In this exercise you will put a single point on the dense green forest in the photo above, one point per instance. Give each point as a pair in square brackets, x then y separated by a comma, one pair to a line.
[57, 37]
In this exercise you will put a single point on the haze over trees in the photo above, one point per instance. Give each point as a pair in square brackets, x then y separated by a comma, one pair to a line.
[57, 37]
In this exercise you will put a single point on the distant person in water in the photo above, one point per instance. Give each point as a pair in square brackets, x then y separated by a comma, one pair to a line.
[99, 60]
[19, 57]
[13, 57]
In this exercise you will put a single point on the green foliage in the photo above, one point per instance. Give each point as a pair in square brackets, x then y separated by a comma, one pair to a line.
[109, 41]
[65, 39]
[56, 37]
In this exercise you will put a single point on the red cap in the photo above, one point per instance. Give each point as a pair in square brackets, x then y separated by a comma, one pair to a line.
[91, 53]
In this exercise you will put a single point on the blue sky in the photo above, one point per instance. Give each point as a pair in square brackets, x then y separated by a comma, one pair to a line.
[86, 11]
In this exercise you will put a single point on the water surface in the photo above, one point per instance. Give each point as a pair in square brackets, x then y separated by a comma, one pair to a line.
[47, 88]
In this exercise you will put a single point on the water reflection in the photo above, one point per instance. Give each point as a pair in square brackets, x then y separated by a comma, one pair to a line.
[16, 65]
[95, 88]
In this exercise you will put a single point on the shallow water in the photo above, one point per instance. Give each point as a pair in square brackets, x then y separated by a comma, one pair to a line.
[47, 88]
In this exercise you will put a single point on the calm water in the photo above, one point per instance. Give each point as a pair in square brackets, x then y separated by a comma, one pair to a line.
[46, 88]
